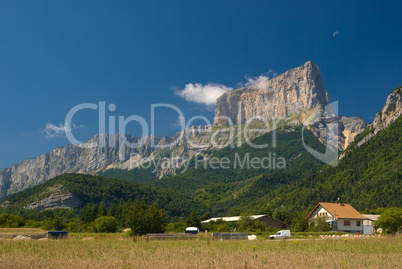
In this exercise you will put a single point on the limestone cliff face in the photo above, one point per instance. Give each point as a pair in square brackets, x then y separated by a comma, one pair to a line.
[59, 198]
[390, 112]
[387, 115]
[288, 94]
[348, 129]
[103, 151]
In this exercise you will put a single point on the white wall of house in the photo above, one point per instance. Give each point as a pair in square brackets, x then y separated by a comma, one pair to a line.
[368, 222]
[352, 227]
[321, 212]
[368, 229]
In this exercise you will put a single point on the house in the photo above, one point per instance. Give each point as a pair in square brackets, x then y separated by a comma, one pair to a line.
[270, 221]
[368, 224]
[342, 217]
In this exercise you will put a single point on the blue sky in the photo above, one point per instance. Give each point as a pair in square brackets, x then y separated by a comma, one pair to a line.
[55, 55]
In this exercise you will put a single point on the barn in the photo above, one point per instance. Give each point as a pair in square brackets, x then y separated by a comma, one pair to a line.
[270, 221]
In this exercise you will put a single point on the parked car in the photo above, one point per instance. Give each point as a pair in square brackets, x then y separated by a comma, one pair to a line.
[281, 234]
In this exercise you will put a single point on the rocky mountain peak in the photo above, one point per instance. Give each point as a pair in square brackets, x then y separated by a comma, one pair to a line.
[288, 94]
[390, 112]
[387, 115]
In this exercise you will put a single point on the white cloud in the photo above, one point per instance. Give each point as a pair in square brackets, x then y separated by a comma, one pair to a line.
[208, 93]
[52, 130]
[180, 120]
[255, 80]
[259, 79]
[202, 94]
[335, 34]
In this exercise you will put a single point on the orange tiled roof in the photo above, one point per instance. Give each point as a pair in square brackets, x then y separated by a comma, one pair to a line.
[342, 211]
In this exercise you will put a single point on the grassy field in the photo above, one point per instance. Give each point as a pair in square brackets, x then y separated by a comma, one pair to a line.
[22, 231]
[116, 251]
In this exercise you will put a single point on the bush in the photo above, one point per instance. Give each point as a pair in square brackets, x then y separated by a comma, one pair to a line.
[260, 225]
[74, 226]
[143, 218]
[3, 220]
[14, 221]
[193, 221]
[47, 225]
[58, 224]
[33, 224]
[320, 226]
[390, 220]
[106, 224]
[176, 227]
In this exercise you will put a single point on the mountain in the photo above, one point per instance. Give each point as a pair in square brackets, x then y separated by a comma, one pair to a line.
[75, 190]
[250, 172]
[290, 93]
[390, 112]
[89, 157]
[287, 100]
[386, 116]
[369, 175]
[285, 157]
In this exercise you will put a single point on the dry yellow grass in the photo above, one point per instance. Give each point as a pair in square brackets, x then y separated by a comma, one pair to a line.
[22, 231]
[119, 252]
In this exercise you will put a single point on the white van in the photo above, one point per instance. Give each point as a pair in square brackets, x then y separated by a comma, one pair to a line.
[192, 230]
[281, 234]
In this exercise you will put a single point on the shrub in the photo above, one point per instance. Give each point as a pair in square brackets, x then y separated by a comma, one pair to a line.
[58, 224]
[390, 220]
[176, 227]
[320, 226]
[3, 220]
[106, 224]
[143, 218]
[47, 224]
[14, 221]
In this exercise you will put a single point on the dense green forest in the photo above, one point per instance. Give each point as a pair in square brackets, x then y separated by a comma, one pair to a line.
[367, 177]
[226, 191]
[97, 189]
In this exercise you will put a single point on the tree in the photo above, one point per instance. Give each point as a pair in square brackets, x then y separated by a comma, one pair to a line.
[14, 221]
[390, 220]
[300, 222]
[143, 218]
[193, 221]
[89, 213]
[112, 210]
[3, 220]
[321, 225]
[58, 223]
[102, 211]
[206, 216]
[245, 223]
[106, 224]
[282, 215]
[262, 226]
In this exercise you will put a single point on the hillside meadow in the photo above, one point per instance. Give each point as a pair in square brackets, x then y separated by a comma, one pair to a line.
[117, 251]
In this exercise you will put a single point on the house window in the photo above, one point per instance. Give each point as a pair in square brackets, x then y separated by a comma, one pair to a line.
[358, 223]
[346, 223]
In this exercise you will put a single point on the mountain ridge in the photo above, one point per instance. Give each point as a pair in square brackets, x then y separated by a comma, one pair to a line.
[73, 159]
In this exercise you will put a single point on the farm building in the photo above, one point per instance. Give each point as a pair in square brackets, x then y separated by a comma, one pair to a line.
[270, 221]
[342, 217]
